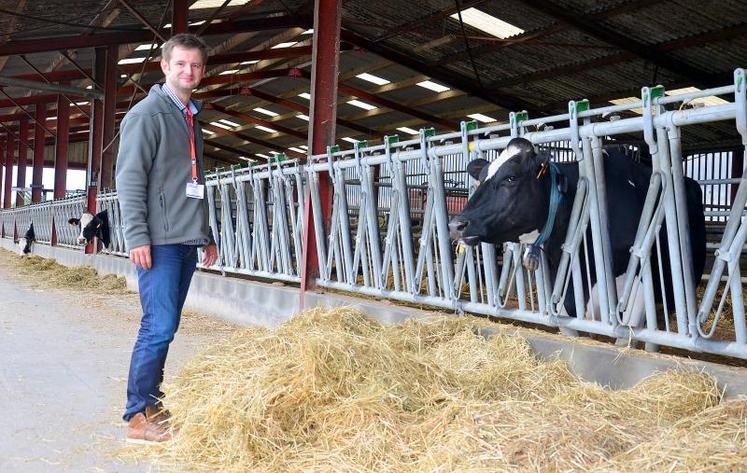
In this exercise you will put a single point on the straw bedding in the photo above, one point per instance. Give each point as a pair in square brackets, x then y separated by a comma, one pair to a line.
[334, 391]
[52, 274]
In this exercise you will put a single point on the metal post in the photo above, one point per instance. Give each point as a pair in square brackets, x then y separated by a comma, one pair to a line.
[39, 145]
[95, 141]
[23, 142]
[60, 158]
[179, 17]
[110, 108]
[10, 151]
[323, 113]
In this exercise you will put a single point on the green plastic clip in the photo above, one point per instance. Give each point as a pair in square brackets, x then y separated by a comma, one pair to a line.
[334, 148]
[521, 116]
[391, 139]
[582, 105]
[471, 125]
[361, 144]
[657, 91]
[430, 132]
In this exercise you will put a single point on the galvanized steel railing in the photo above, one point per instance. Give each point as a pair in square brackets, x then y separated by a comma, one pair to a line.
[388, 235]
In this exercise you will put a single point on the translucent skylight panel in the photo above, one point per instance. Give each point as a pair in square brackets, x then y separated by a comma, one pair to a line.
[264, 111]
[481, 118]
[488, 23]
[363, 105]
[373, 79]
[430, 85]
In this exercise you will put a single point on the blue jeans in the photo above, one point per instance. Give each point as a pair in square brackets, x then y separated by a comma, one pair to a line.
[163, 289]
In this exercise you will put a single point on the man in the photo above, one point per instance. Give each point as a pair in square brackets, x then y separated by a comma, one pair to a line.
[161, 190]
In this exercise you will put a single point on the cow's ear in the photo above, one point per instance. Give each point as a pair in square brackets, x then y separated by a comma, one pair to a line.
[475, 168]
[102, 214]
[74, 222]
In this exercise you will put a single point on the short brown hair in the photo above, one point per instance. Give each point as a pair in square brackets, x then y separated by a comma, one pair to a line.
[186, 41]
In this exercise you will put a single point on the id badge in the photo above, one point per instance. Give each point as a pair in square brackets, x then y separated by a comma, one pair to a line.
[195, 191]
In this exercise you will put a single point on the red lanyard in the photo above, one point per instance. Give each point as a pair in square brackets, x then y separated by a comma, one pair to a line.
[192, 153]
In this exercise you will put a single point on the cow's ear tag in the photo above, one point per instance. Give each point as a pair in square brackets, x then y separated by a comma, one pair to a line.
[531, 260]
[542, 170]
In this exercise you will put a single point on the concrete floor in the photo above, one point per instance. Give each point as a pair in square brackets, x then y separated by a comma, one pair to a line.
[63, 373]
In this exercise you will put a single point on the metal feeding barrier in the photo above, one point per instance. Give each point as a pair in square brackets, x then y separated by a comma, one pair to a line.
[387, 235]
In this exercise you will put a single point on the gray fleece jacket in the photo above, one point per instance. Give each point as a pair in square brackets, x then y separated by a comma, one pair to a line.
[153, 169]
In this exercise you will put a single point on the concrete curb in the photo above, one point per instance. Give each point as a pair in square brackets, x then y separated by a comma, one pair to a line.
[247, 302]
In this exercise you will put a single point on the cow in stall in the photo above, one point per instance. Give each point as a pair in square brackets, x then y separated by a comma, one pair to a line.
[513, 202]
[27, 241]
[93, 226]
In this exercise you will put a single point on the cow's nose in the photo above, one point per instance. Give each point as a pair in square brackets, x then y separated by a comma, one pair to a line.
[457, 226]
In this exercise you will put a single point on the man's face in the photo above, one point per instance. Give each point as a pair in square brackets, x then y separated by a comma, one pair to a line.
[184, 69]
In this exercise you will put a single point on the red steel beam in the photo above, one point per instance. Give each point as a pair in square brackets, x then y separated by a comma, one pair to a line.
[54, 76]
[34, 99]
[228, 58]
[228, 79]
[153, 29]
[95, 142]
[110, 111]
[179, 17]
[362, 94]
[322, 124]
[12, 48]
[23, 142]
[60, 158]
[39, 145]
[248, 92]
[10, 151]
[267, 144]
[254, 120]
[230, 149]
[305, 110]
[3, 149]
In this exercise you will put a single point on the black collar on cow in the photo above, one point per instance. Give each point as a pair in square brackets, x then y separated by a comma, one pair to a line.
[558, 186]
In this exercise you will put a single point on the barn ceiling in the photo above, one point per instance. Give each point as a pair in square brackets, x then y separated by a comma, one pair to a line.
[553, 51]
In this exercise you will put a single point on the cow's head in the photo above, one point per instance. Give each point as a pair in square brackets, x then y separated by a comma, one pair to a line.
[511, 200]
[92, 225]
[28, 239]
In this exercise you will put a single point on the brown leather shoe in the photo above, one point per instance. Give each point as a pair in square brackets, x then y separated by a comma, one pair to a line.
[158, 415]
[142, 431]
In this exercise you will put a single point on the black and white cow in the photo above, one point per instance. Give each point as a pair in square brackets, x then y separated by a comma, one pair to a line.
[512, 204]
[93, 226]
[28, 239]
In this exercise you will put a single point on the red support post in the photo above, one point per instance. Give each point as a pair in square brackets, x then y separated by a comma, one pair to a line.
[23, 150]
[323, 114]
[39, 146]
[110, 109]
[60, 157]
[95, 142]
[3, 150]
[180, 17]
[10, 151]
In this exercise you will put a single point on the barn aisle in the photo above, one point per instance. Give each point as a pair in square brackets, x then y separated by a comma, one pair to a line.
[65, 355]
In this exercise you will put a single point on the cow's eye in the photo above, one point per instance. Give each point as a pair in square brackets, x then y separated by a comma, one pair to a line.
[510, 178]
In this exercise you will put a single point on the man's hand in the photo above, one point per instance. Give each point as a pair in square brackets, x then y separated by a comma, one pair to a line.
[140, 257]
[209, 255]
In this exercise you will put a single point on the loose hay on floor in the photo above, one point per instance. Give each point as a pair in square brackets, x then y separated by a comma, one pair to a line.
[335, 391]
[52, 274]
